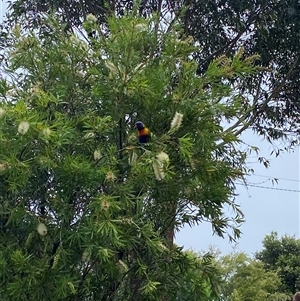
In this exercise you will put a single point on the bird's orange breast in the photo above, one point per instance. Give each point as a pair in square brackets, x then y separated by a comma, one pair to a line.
[144, 132]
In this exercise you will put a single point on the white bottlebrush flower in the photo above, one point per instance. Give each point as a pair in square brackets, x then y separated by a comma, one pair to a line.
[56, 259]
[163, 157]
[176, 122]
[123, 265]
[80, 74]
[133, 157]
[72, 287]
[141, 27]
[2, 112]
[23, 127]
[111, 66]
[86, 256]
[3, 166]
[91, 18]
[89, 135]
[35, 89]
[31, 91]
[139, 68]
[97, 154]
[158, 169]
[42, 229]
[105, 203]
[11, 93]
[46, 132]
[162, 247]
[110, 176]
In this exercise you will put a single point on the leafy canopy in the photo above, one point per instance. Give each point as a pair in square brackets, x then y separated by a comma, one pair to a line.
[245, 278]
[270, 28]
[87, 213]
[281, 255]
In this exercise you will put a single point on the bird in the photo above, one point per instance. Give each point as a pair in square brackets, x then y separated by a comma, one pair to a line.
[143, 132]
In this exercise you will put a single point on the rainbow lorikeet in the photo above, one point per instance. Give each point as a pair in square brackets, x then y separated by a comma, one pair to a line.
[143, 132]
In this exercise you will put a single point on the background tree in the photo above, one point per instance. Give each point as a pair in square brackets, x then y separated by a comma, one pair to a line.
[87, 213]
[281, 255]
[245, 278]
[250, 281]
[269, 28]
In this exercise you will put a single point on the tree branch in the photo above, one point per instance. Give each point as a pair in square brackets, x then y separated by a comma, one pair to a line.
[263, 106]
[270, 97]
[246, 115]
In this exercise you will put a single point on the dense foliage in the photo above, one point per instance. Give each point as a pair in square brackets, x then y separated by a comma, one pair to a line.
[88, 213]
[271, 274]
[282, 255]
[245, 278]
[270, 28]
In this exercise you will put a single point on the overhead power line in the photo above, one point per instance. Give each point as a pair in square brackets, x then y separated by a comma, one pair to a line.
[284, 179]
[271, 188]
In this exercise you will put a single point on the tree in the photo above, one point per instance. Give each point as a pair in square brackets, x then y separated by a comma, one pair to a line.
[269, 28]
[87, 213]
[281, 255]
[245, 278]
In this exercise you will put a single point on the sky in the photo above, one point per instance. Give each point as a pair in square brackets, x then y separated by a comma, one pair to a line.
[266, 208]
[271, 208]
[3, 5]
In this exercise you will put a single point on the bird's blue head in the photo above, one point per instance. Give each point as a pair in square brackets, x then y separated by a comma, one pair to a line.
[139, 125]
